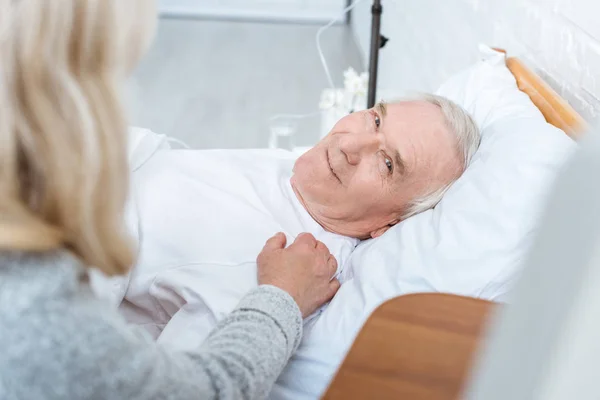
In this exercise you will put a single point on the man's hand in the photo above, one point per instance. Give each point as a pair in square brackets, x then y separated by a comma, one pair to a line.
[304, 270]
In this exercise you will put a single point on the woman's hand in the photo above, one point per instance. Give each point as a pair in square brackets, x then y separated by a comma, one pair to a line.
[304, 270]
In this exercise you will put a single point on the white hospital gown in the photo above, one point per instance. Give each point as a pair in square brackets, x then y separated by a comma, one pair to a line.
[204, 217]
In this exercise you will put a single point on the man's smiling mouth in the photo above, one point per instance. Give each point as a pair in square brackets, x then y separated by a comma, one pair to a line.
[330, 168]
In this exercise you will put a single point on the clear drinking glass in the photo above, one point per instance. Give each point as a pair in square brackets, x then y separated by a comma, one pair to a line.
[283, 132]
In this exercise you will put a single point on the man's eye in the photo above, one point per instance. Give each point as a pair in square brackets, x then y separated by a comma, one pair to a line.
[389, 164]
[377, 120]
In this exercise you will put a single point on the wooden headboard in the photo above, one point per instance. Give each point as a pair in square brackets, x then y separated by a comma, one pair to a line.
[555, 109]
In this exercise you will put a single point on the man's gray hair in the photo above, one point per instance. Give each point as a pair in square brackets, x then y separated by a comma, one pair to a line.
[468, 138]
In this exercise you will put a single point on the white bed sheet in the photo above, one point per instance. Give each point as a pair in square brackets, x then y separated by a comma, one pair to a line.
[142, 144]
[204, 217]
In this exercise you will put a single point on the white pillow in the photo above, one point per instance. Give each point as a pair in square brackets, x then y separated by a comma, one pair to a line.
[474, 240]
[471, 244]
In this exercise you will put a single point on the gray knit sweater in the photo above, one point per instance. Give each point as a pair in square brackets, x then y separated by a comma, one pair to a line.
[57, 341]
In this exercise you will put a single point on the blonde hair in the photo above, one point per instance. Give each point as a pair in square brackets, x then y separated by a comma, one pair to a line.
[63, 161]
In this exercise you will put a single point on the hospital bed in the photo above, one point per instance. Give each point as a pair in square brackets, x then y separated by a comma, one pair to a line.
[471, 244]
[421, 346]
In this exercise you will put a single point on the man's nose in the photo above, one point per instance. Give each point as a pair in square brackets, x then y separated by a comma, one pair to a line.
[356, 146]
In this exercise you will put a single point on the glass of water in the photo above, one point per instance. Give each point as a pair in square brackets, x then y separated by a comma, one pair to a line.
[283, 132]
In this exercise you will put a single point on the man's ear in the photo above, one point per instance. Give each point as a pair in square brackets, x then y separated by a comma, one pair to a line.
[381, 231]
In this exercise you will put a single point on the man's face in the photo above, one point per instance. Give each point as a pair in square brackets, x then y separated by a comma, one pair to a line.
[360, 178]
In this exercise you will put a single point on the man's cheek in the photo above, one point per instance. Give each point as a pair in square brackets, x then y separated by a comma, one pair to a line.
[313, 176]
[334, 194]
[369, 192]
[305, 165]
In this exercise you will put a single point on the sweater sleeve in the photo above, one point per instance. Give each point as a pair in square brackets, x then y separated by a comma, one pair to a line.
[248, 350]
[95, 354]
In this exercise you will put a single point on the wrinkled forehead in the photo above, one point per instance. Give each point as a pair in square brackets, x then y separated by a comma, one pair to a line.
[418, 130]
[418, 123]
[415, 118]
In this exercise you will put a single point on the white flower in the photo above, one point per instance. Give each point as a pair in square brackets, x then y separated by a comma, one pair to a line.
[355, 84]
[350, 76]
[348, 99]
[364, 82]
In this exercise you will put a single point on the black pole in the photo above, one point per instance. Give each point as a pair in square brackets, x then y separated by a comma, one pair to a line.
[348, 14]
[376, 10]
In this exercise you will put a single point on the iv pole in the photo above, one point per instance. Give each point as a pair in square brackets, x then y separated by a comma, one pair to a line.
[377, 42]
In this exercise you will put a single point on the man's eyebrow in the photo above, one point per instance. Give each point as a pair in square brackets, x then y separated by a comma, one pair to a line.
[400, 165]
[381, 106]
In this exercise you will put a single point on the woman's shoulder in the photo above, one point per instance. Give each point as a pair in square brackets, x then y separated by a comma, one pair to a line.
[32, 281]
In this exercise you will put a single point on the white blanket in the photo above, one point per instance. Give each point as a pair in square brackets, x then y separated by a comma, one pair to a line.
[142, 145]
[204, 216]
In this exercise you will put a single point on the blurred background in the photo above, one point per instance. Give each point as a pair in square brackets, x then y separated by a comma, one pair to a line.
[220, 69]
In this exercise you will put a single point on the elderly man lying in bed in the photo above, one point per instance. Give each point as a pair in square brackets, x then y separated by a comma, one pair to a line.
[205, 215]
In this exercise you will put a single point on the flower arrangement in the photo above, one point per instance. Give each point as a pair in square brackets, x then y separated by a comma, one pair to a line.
[349, 98]
[338, 102]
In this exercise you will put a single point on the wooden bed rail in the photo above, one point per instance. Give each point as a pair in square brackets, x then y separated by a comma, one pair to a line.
[555, 109]
[416, 347]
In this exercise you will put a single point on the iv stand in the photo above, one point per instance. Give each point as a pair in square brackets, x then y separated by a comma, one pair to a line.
[377, 42]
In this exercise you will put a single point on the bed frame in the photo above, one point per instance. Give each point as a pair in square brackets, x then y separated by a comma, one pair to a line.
[421, 346]
[555, 109]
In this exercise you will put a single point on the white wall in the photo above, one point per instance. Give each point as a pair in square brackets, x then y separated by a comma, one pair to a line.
[432, 39]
